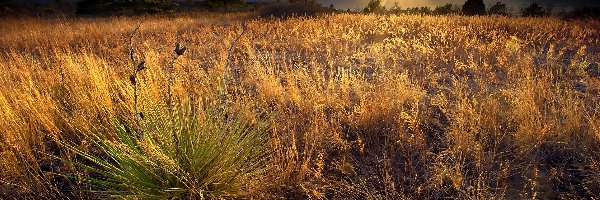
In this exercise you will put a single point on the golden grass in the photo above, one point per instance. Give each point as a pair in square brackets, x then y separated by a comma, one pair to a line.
[367, 106]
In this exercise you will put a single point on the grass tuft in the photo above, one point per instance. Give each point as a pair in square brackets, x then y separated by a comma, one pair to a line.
[220, 156]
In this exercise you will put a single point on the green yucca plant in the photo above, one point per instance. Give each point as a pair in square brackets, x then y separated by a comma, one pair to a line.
[220, 155]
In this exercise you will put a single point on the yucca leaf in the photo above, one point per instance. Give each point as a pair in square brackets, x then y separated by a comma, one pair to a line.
[217, 155]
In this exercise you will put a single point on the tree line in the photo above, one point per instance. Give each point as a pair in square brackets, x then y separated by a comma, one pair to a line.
[149, 6]
[478, 7]
[308, 7]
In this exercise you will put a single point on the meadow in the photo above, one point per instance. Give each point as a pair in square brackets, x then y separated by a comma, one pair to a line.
[357, 106]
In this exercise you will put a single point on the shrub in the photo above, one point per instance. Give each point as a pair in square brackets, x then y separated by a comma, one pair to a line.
[533, 10]
[125, 7]
[445, 10]
[374, 6]
[224, 3]
[498, 9]
[419, 10]
[284, 10]
[219, 155]
[473, 7]
[93, 6]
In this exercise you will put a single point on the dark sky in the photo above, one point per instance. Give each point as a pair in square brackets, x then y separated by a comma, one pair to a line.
[352, 4]
[344, 4]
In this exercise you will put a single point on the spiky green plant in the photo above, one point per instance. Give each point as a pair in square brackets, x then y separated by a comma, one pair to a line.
[220, 156]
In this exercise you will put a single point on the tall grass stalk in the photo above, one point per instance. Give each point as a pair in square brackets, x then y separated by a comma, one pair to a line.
[133, 78]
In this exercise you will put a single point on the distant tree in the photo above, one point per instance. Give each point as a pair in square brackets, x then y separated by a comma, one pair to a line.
[152, 6]
[444, 10]
[533, 10]
[498, 9]
[92, 6]
[549, 9]
[374, 6]
[293, 8]
[425, 10]
[396, 9]
[473, 7]
[125, 6]
[419, 10]
[222, 3]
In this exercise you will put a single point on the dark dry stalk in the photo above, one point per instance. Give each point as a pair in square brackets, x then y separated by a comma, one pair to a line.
[133, 77]
[228, 63]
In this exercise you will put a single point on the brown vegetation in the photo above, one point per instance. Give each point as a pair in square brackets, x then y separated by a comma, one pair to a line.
[366, 106]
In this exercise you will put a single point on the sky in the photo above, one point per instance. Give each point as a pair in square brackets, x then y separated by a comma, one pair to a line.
[353, 4]
[567, 4]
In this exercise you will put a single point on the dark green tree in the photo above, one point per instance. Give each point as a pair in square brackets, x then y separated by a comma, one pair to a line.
[426, 10]
[93, 6]
[126, 6]
[223, 3]
[498, 9]
[533, 10]
[374, 6]
[396, 9]
[444, 10]
[473, 7]
[152, 6]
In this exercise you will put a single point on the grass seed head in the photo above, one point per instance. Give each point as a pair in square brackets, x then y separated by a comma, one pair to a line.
[132, 79]
[179, 49]
[141, 66]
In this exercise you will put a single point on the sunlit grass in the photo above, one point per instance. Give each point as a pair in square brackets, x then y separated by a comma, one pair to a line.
[367, 106]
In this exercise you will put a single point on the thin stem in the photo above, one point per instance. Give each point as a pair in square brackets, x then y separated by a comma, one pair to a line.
[133, 77]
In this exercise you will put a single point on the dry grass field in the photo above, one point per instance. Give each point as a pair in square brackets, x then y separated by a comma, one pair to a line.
[363, 106]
